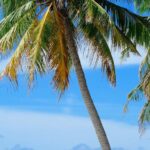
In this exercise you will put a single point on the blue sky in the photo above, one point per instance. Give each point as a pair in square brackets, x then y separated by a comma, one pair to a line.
[37, 120]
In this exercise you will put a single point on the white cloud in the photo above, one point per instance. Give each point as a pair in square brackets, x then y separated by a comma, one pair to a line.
[132, 60]
[61, 132]
[3, 63]
[86, 60]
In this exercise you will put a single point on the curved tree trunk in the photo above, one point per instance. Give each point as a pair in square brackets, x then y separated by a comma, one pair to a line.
[83, 87]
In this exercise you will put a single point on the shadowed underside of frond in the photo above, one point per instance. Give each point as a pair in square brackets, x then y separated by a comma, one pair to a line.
[94, 35]
[95, 14]
[100, 49]
[110, 27]
[132, 25]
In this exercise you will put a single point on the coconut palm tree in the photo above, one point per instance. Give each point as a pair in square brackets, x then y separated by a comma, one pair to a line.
[143, 89]
[46, 33]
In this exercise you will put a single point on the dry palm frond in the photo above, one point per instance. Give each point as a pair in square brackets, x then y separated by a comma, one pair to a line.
[15, 62]
[58, 54]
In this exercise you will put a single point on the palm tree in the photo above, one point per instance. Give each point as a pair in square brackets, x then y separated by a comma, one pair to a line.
[143, 89]
[46, 32]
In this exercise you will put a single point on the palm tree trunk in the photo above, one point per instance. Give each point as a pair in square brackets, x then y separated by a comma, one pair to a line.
[83, 86]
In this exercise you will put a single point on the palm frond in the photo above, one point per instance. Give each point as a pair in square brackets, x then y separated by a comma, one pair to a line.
[9, 6]
[143, 5]
[93, 15]
[118, 38]
[96, 14]
[12, 67]
[143, 89]
[59, 56]
[135, 27]
[144, 118]
[15, 24]
[146, 84]
[145, 65]
[100, 49]
[36, 54]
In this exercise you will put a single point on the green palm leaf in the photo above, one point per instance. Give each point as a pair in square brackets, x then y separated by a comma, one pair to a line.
[13, 26]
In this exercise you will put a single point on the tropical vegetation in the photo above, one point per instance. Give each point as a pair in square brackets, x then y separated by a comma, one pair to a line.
[143, 89]
[46, 33]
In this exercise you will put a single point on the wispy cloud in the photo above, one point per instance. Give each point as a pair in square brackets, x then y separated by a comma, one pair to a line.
[62, 132]
[3, 63]
[19, 147]
[86, 58]
[86, 147]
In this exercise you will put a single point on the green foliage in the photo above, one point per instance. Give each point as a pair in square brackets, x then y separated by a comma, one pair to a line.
[13, 26]
[92, 32]
[9, 6]
[15, 62]
[42, 43]
[143, 89]
[133, 26]
[143, 5]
